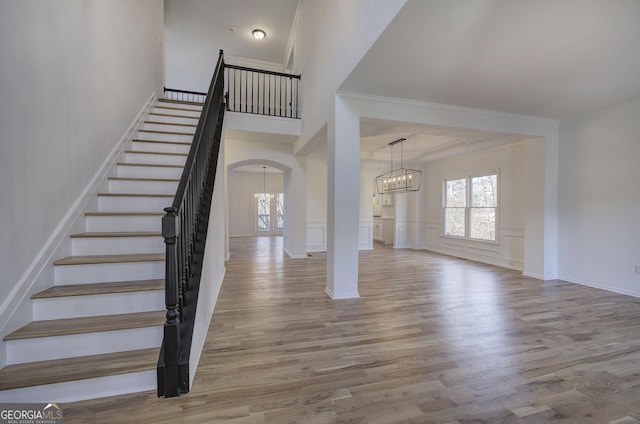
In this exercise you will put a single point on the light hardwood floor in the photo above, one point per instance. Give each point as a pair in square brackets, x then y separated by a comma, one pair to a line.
[432, 339]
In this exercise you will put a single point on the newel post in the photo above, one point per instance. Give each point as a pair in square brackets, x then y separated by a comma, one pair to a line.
[170, 232]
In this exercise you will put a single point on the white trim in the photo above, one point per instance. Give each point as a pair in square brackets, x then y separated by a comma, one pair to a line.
[332, 295]
[292, 256]
[536, 276]
[487, 112]
[599, 286]
[22, 290]
[292, 35]
[92, 388]
[254, 63]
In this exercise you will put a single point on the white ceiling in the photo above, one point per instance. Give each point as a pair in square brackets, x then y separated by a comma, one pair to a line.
[547, 58]
[215, 18]
[424, 143]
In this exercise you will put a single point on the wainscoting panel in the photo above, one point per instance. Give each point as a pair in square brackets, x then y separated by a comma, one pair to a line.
[401, 235]
[365, 235]
[508, 253]
[513, 245]
[316, 237]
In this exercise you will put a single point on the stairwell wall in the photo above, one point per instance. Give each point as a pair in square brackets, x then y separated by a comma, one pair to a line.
[74, 75]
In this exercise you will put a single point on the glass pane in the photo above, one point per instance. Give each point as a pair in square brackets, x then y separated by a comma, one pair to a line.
[456, 193]
[454, 222]
[264, 212]
[484, 191]
[483, 223]
[280, 211]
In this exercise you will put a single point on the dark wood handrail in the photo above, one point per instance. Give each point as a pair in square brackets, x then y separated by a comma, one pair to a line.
[184, 228]
[262, 71]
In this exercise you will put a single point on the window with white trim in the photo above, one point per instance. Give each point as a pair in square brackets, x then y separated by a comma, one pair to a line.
[280, 211]
[264, 211]
[470, 207]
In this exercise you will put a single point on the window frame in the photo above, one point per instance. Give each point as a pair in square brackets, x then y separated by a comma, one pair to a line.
[258, 215]
[279, 213]
[468, 207]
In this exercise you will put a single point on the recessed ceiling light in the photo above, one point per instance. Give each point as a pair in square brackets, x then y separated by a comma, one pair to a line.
[258, 34]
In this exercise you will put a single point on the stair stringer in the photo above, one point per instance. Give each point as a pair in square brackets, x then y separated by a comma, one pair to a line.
[87, 388]
[17, 309]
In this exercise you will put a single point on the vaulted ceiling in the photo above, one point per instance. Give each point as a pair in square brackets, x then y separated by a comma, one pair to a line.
[546, 58]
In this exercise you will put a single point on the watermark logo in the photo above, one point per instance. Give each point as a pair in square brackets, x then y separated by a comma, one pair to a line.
[31, 413]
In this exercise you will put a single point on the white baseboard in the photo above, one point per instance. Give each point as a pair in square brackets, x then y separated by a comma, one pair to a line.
[32, 280]
[598, 286]
[295, 256]
[334, 296]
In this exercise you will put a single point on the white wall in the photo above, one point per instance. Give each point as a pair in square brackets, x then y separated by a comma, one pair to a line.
[242, 189]
[74, 74]
[330, 38]
[509, 249]
[242, 149]
[316, 204]
[599, 199]
[213, 267]
[193, 40]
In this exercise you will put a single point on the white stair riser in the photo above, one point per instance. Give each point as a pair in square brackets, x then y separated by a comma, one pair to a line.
[103, 273]
[146, 187]
[92, 388]
[168, 126]
[144, 135]
[116, 245]
[100, 304]
[179, 111]
[173, 119]
[132, 171]
[151, 146]
[155, 159]
[68, 346]
[133, 204]
[124, 223]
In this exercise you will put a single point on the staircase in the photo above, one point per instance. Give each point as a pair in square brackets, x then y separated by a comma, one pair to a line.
[97, 331]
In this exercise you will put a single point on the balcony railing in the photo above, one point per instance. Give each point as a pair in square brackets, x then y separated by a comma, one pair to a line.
[184, 228]
[256, 91]
[184, 95]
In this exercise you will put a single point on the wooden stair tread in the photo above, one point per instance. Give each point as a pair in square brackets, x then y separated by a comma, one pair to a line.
[79, 368]
[135, 195]
[100, 288]
[83, 325]
[166, 132]
[110, 259]
[144, 179]
[154, 213]
[149, 164]
[178, 108]
[105, 234]
[182, 143]
[179, 102]
[156, 153]
[178, 124]
[172, 115]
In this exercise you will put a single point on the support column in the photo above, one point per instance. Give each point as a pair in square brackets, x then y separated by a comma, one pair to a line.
[295, 212]
[541, 208]
[343, 201]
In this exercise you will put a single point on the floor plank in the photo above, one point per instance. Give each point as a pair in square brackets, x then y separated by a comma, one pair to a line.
[432, 339]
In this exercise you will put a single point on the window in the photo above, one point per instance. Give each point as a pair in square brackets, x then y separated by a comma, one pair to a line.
[264, 211]
[455, 204]
[280, 211]
[470, 207]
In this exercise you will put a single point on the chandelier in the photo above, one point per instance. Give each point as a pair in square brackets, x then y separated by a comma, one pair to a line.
[398, 180]
[264, 196]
